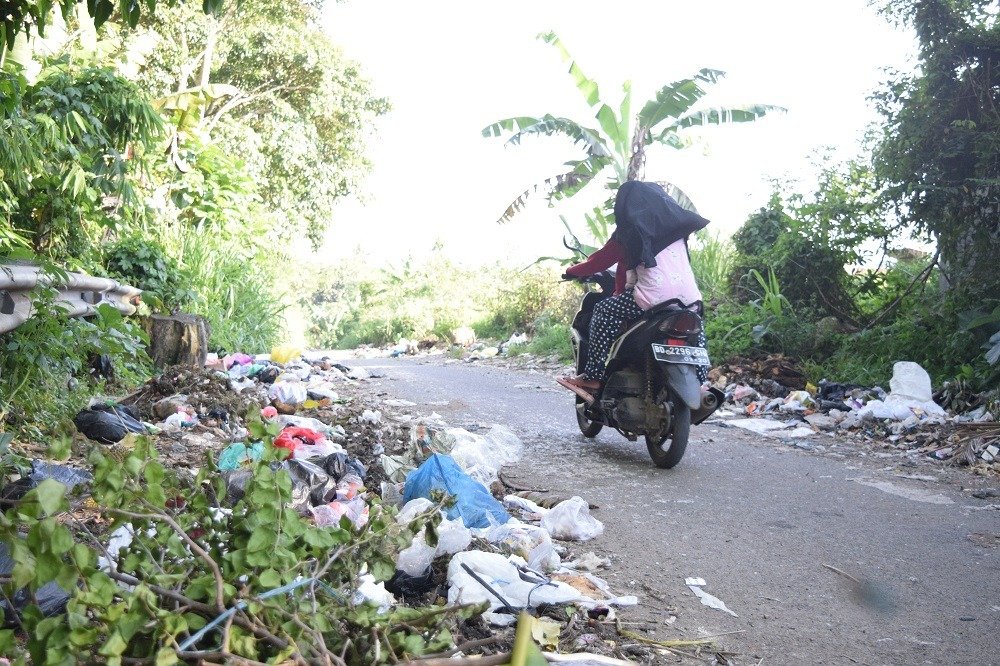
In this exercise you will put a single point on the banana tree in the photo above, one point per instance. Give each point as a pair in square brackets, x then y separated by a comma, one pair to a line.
[614, 150]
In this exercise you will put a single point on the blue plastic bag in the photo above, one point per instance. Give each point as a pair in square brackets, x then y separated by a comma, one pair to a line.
[474, 504]
[239, 455]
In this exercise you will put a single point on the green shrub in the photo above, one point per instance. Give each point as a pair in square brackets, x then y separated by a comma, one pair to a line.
[44, 376]
[522, 298]
[144, 264]
[807, 263]
[550, 338]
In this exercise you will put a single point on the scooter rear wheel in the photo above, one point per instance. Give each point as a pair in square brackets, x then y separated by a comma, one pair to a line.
[587, 427]
[667, 450]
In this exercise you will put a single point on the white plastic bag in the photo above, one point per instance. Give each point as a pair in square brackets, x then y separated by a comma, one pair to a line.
[500, 574]
[482, 456]
[290, 393]
[571, 520]
[414, 560]
[530, 542]
[453, 537]
[286, 420]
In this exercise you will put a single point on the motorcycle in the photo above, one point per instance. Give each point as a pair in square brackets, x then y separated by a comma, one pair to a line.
[652, 386]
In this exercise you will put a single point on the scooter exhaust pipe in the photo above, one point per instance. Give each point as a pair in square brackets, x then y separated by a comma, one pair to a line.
[709, 400]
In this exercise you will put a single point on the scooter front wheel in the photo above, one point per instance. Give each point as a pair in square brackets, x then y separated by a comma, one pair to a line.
[587, 427]
[667, 450]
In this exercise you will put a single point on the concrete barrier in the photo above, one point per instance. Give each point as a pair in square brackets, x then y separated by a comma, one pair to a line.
[79, 294]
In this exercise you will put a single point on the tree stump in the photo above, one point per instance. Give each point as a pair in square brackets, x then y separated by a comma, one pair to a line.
[179, 339]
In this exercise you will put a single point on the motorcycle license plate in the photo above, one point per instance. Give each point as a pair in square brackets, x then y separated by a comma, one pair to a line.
[679, 354]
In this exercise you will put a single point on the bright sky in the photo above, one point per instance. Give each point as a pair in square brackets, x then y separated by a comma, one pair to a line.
[452, 68]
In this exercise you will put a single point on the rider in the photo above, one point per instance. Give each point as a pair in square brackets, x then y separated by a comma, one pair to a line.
[649, 246]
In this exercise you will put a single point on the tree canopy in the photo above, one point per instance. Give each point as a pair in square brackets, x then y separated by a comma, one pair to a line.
[33, 16]
[939, 150]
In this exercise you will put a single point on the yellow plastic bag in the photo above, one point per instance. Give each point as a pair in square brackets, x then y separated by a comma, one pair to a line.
[284, 353]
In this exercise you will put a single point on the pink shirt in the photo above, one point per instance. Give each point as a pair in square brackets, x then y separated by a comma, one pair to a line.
[671, 277]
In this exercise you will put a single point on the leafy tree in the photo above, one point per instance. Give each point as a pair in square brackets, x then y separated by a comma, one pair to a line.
[23, 17]
[939, 152]
[66, 154]
[269, 87]
[615, 149]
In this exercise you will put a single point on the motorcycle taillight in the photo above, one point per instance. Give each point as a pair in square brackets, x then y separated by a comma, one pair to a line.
[681, 325]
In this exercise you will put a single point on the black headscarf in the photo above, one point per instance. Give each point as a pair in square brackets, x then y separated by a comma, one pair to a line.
[647, 220]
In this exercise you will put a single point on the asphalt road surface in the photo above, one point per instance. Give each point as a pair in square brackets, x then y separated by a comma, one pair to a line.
[756, 519]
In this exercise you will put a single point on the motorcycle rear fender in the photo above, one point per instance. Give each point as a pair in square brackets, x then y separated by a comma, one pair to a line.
[683, 379]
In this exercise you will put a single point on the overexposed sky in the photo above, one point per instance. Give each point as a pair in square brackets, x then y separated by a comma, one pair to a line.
[451, 68]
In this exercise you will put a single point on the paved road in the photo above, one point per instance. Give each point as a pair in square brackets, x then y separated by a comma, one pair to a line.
[755, 519]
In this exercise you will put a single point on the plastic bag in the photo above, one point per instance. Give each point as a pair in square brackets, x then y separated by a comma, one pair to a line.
[108, 425]
[285, 353]
[571, 520]
[286, 420]
[406, 585]
[311, 486]
[501, 574]
[51, 598]
[483, 456]
[329, 515]
[238, 358]
[530, 542]
[41, 470]
[416, 558]
[305, 443]
[179, 420]
[240, 455]
[288, 392]
[474, 504]
[453, 537]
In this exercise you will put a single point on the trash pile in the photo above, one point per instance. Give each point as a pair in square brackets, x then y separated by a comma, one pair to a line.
[351, 458]
[906, 417]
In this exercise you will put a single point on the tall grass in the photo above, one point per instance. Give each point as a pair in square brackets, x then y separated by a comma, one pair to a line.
[712, 260]
[235, 287]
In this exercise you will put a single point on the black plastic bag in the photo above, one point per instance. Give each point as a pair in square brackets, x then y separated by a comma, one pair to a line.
[108, 424]
[338, 465]
[51, 598]
[405, 585]
[41, 470]
[311, 486]
[268, 374]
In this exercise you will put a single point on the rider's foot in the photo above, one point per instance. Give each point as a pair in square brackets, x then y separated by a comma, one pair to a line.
[572, 386]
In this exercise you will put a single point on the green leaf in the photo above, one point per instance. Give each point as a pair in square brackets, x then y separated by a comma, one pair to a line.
[60, 448]
[723, 116]
[675, 98]
[114, 646]
[587, 87]
[269, 578]
[549, 125]
[610, 125]
[166, 657]
[61, 541]
[51, 496]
